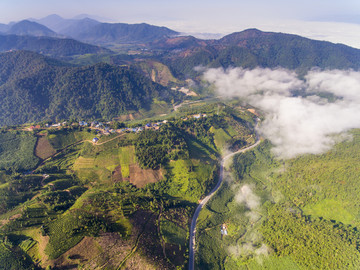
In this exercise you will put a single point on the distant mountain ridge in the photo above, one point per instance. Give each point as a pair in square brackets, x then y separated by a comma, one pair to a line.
[105, 33]
[56, 47]
[28, 28]
[252, 48]
[90, 30]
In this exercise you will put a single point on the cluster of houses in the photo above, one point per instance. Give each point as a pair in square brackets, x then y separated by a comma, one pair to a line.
[105, 130]
[223, 230]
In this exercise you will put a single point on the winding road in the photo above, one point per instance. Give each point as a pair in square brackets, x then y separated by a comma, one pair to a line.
[208, 197]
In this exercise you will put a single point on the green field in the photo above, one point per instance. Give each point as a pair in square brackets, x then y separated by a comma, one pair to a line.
[127, 158]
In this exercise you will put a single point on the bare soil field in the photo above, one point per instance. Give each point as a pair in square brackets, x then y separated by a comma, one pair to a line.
[140, 177]
[43, 148]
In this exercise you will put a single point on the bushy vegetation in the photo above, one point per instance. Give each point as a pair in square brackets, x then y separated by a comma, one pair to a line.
[293, 219]
[69, 229]
[13, 259]
[314, 243]
[17, 190]
[154, 148]
[17, 151]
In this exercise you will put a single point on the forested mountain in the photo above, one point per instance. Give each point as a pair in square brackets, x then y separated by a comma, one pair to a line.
[57, 47]
[34, 88]
[104, 33]
[252, 48]
[28, 28]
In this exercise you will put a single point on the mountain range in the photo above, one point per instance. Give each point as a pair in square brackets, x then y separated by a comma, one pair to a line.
[44, 88]
[252, 48]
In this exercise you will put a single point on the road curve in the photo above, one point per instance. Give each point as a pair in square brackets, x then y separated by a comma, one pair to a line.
[208, 197]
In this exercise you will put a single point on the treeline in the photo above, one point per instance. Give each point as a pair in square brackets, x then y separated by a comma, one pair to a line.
[154, 148]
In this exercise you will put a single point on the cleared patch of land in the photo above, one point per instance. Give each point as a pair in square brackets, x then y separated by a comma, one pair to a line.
[43, 148]
[140, 177]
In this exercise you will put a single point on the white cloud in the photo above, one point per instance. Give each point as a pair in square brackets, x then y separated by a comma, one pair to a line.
[246, 195]
[242, 82]
[295, 125]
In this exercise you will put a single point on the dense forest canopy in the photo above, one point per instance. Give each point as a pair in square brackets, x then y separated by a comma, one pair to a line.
[36, 88]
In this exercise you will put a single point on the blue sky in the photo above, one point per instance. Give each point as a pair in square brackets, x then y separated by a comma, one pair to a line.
[334, 20]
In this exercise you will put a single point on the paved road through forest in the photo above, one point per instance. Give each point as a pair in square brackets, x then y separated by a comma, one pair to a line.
[207, 198]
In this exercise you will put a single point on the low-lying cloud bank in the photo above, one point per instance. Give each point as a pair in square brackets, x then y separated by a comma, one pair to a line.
[295, 125]
[251, 240]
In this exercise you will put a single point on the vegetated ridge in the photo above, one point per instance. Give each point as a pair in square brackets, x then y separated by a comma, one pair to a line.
[252, 48]
[104, 33]
[55, 47]
[36, 88]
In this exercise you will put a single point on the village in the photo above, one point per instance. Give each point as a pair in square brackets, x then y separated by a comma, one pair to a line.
[106, 129]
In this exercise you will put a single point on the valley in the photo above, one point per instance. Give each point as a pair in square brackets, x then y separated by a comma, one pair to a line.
[133, 146]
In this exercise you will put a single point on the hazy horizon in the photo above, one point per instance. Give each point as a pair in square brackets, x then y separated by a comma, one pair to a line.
[331, 20]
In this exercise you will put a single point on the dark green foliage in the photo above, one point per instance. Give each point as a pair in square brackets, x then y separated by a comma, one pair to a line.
[242, 163]
[17, 151]
[30, 217]
[12, 258]
[60, 200]
[62, 184]
[200, 128]
[313, 243]
[154, 148]
[35, 88]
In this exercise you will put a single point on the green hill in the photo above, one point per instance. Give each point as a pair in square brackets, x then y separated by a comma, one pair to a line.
[36, 88]
[252, 48]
